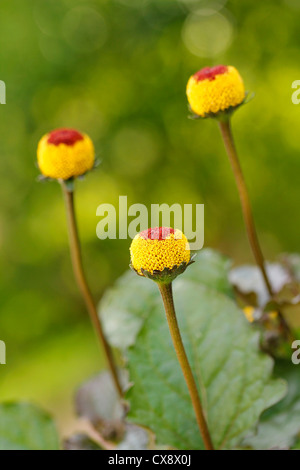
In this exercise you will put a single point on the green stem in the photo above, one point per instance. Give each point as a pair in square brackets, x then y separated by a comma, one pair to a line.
[167, 296]
[225, 128]
[226, 132]
[83, 285]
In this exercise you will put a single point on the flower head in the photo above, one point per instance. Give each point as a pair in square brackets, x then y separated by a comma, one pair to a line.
[65, 153]
[215, 89]
[160, 253]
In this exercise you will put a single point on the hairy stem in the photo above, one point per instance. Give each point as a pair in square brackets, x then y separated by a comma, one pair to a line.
[83, 285]
[167, 296]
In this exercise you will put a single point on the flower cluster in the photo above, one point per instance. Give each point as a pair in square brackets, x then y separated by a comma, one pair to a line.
[160, 253]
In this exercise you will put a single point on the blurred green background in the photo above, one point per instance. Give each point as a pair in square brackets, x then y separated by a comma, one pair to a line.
[117, 70]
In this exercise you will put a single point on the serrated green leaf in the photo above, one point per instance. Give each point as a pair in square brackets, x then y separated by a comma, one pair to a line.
[232, 375]
[125, 307]
[211, 269]
[123, 312]
[25, 427]
[279, 426]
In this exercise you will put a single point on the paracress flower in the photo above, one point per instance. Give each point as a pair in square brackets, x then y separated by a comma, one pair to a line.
[215, 89]
[65, 153]
[159, 249]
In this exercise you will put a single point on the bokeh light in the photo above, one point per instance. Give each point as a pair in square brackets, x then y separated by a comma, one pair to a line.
[84, 29]
[207, 33]
[194, 5]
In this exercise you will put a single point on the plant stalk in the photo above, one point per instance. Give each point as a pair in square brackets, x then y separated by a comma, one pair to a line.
[76, 257]
[167, 296]
[225, 128]
[226, 132]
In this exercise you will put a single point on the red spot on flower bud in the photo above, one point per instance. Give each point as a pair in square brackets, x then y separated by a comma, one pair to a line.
[157, 233]
[64, 136]
[209, 73]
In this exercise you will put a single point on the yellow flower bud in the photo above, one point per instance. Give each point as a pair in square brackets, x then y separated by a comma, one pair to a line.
[160, 253]
[65, 153]
[215, 89]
